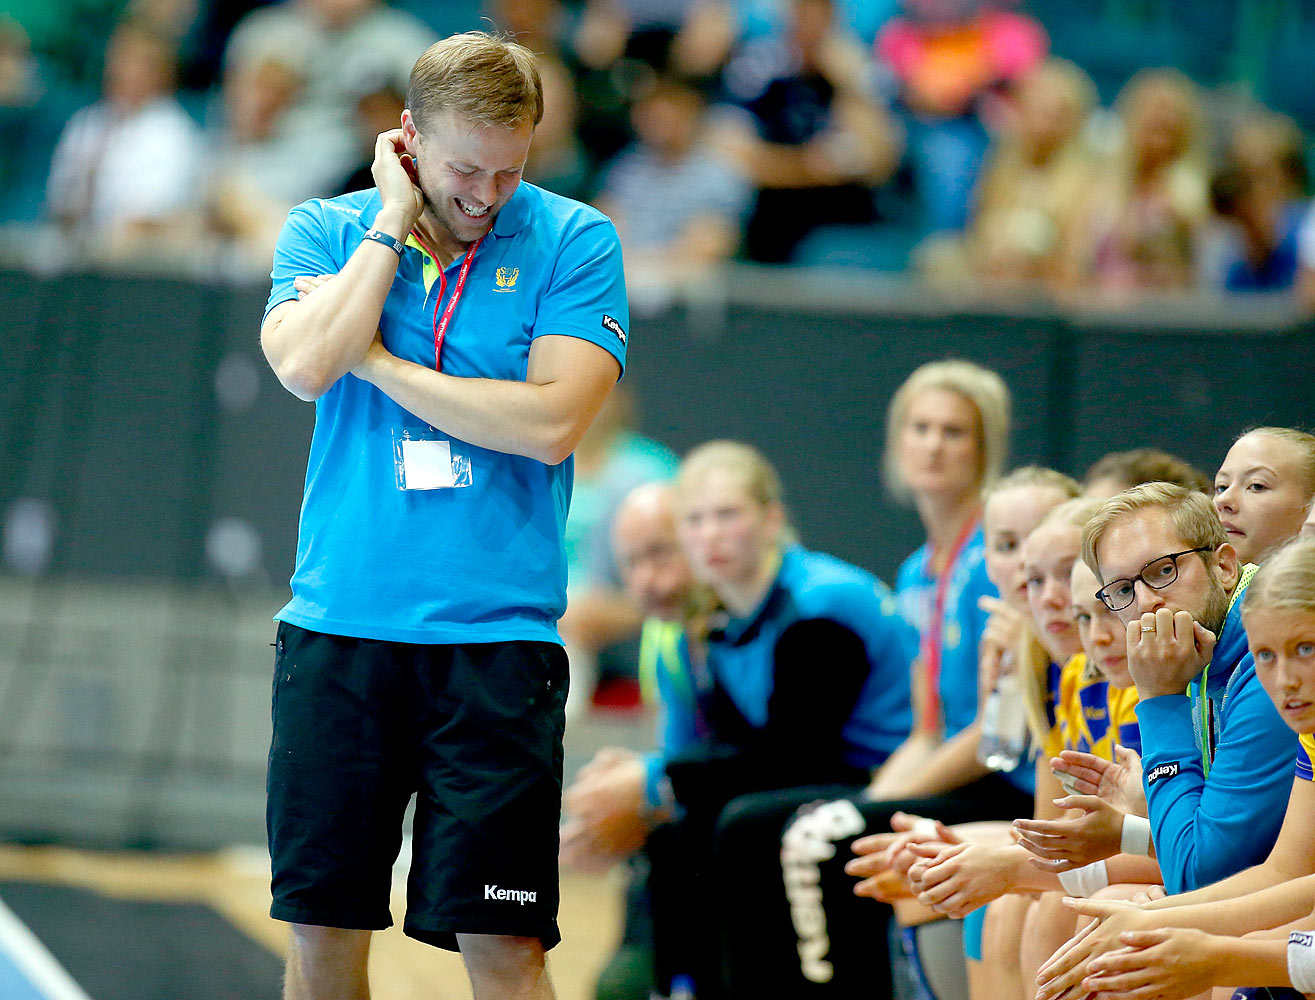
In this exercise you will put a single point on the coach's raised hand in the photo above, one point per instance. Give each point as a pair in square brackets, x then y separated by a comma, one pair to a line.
[403, 201]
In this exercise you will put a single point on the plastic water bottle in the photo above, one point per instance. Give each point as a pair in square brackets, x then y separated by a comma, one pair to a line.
[1004, 723]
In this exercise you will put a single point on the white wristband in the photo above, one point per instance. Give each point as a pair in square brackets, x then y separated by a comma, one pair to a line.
[1085, 881]
[1301, 961]
[924, 827]
[1135, 837]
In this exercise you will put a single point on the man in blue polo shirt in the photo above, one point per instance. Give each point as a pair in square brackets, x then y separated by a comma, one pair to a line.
[458, 331]
[1215, 752]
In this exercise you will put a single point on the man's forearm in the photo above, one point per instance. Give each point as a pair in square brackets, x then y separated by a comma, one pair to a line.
[519, 418]
[319, 339]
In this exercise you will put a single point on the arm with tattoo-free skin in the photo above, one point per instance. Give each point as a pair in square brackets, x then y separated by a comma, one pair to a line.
[1261, 910]
[312, 342]
[1176, 963]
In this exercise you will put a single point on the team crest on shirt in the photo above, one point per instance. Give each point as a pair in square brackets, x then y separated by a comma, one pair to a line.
[953, 633]
[506, 278]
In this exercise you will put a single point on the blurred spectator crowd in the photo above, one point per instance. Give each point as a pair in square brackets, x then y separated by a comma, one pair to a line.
[1066, 149]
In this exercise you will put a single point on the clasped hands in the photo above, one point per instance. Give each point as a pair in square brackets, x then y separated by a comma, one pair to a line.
[926, 860]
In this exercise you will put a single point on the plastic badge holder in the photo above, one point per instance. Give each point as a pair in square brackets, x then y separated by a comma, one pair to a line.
[423, 459]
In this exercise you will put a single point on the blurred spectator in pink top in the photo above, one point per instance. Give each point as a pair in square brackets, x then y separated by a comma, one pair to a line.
[949, 60]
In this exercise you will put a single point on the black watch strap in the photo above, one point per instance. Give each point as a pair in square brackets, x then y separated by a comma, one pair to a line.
[392, 242]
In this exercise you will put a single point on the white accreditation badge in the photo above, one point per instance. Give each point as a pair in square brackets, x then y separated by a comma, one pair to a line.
[423, 459]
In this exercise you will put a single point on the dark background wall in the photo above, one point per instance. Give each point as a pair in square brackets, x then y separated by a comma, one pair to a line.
[112, 407]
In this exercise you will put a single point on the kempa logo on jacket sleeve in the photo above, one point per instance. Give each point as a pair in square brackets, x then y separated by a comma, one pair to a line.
[1165, 771]
[510, 895]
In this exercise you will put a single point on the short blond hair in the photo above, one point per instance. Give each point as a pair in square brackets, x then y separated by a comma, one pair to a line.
[1075, 513]
[1038, 476]
[479, 76]
[983, 388]
[757, 475]
[1286, 580]
[1191, 513]
[1147, 465]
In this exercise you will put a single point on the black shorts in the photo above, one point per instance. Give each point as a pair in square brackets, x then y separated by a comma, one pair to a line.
[474, 731]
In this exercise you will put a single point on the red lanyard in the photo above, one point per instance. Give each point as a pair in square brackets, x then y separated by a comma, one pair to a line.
[934, 636]
[440, 326]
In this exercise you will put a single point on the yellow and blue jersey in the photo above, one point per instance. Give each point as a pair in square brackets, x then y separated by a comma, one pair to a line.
[1306, 758]
[1091, 715]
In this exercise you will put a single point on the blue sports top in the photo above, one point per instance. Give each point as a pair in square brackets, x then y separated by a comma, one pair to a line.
[961, 626]
[483, 563]
[1217, 792]
[812, 586]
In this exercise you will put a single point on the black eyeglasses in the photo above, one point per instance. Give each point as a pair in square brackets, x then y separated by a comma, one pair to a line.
[1156, 574]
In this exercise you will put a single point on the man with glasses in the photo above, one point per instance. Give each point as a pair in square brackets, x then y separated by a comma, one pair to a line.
[1215, 751]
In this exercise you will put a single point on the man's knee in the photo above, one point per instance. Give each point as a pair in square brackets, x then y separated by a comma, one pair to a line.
[501, 955]
[341, 944]
[327, 962]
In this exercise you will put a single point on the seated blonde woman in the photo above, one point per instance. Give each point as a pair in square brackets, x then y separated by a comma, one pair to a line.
[1036, 171]
[1137, 226]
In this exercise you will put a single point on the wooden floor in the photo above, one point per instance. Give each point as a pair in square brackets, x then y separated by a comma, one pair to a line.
[236, 883]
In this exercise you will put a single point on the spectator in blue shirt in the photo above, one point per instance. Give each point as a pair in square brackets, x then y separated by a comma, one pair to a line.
[1260, 195]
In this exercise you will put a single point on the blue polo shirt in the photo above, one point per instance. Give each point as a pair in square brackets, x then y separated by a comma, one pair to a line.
[483, 563]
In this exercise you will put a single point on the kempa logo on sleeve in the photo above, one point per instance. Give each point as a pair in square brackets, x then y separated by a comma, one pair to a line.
[615, 327]
[510, 895]
[1169, 770]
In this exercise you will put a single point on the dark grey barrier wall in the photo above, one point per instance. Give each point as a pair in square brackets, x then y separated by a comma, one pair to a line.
[113, 390]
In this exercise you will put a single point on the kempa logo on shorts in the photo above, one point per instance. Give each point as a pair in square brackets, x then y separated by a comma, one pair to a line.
[1169, 770]
[1300, 938]
[510, 895]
